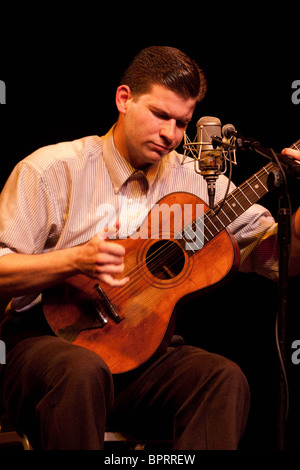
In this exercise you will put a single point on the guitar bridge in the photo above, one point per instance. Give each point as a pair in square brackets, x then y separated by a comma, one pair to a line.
[99, 314]
[108, 305]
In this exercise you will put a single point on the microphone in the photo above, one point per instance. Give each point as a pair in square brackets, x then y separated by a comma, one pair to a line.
[241, 141]
[208, 153]
[210, 156]
[229, 131]
[248, 143]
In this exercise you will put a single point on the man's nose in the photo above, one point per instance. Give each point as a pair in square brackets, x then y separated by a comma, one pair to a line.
[168, 130]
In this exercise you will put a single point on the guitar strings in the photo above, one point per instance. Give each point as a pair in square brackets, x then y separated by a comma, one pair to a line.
[166, 249]
[170, 248]
[296, 145]
[208, 215]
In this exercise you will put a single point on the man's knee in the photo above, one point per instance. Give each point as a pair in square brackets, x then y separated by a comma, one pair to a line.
[85, 368]
[230, 374]
[214, 368]
[66, 368]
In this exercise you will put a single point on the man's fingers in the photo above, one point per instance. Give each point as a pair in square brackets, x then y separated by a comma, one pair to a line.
[109, 268]
[112, 281]
[292, 153]
[108, 258]
[111, 247]
[104, 259]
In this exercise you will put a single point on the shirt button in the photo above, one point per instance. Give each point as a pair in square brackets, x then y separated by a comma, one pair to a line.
[130, 200]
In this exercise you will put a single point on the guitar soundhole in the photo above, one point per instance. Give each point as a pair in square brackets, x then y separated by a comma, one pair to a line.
[165, 259]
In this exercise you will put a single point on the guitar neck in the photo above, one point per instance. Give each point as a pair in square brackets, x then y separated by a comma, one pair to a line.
[237, 202]
[243, 197]
[223, 214]
[296, 145]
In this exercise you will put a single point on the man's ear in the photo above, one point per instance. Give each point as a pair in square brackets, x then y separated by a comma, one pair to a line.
[123, 96]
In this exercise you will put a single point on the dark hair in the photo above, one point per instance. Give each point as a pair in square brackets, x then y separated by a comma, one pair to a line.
[165, 66]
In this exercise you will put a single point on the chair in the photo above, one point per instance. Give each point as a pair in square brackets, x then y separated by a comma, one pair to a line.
[10, 438]
[119, 441]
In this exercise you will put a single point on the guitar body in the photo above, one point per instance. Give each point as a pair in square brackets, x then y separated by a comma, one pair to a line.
[138, 317]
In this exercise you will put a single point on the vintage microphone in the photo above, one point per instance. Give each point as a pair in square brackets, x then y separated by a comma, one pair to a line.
[210, 151]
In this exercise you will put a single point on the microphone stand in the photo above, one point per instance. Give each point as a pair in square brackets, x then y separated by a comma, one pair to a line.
[284, 233]
[277, 178]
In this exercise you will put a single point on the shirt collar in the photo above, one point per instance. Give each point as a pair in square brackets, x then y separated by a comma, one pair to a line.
[120, 170]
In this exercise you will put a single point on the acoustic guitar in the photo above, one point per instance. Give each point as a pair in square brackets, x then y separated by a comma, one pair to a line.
[128, 325]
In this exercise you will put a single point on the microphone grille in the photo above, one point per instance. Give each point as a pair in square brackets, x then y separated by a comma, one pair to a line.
[208, 126]
[209, 121]
[227, 129]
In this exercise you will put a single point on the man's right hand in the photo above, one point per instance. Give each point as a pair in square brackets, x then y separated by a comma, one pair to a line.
[102, 259]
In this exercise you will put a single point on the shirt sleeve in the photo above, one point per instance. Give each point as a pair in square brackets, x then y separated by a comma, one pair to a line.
[256, 234]
[27, 217]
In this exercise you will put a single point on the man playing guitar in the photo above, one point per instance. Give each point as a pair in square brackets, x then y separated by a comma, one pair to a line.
[62, 393]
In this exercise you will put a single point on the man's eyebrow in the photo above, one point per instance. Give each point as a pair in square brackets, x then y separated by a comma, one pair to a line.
[163, 113]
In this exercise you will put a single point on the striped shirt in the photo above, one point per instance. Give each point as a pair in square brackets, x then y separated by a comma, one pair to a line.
[62, 195]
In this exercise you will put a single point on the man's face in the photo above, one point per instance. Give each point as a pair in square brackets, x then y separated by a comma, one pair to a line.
[151, 125]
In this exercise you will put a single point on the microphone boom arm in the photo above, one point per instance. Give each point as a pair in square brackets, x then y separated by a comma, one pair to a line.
[247, 143]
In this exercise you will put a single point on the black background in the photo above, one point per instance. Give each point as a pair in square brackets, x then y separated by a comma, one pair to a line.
[61, 68]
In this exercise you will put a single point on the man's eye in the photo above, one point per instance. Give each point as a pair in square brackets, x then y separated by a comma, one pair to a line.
[181, 124]
[165, 117]
[161, 116]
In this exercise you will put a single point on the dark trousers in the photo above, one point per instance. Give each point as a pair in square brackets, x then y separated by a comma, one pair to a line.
[62, 397]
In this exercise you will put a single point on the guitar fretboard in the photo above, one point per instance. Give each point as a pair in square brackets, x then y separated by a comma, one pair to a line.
[225, 212]
[243, 197]
[296, 145]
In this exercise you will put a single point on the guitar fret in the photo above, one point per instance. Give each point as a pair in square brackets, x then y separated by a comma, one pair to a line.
[258, 187]
[226, 216]
[223, 225]
[225, 208]
[260, 183]
[248, 201]
[211, 233]
[238, 202]
[217, 223]
[252, 189]
[213, 229]
[200, 224]
[296, 145]
[231, 206]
